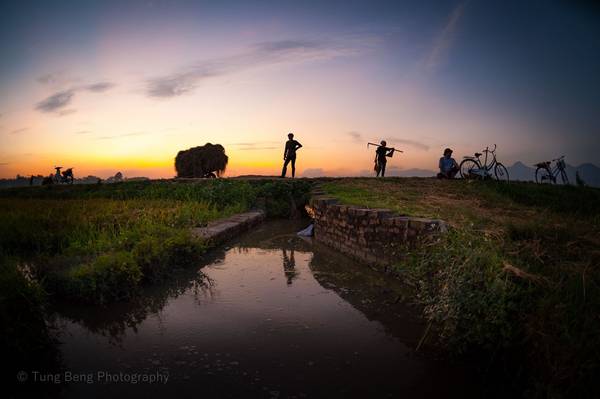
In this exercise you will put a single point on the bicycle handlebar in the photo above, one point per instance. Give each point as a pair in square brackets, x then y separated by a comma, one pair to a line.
[559, 158]
[487, 149]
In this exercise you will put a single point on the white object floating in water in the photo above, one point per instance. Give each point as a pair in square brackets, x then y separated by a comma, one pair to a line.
[307, 232]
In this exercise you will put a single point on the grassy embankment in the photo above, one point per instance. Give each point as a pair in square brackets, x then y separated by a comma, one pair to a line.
[515, 282]
[100, 243]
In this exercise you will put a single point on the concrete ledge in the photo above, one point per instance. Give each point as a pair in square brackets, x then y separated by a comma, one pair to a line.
[222, 230]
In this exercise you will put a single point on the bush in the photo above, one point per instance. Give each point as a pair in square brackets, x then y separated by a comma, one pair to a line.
[25, 340]
[157, 257]
[464, 291]
[109, 277]
[281, 196]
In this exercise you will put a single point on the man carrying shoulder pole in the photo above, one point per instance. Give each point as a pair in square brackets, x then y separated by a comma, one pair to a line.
[381, 154]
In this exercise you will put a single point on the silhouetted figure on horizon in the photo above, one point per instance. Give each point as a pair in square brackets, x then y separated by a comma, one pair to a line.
[289, 154]
[381, 155]
[57, 176]
[448, 166]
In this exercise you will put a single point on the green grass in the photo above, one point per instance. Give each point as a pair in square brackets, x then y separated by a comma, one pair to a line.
[26, 340]
[220, 193]
[98, 243]
[545, 323]
[99, 250]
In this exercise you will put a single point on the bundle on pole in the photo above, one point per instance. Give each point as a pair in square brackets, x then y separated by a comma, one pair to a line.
[202, 161]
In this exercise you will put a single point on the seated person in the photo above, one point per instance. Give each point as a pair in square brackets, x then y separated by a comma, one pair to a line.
[448, 166]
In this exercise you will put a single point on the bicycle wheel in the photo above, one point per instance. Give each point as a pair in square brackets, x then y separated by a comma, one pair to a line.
[501, 173]
[466, 167]
[543, 175]
[564, 177]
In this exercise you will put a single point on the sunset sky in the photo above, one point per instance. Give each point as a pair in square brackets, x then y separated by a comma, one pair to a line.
[108, 86]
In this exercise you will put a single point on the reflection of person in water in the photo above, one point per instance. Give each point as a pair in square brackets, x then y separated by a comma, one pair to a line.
[289, 265]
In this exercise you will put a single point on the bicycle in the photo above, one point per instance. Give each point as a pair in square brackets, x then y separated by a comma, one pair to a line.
[545, 174]
[472, 168]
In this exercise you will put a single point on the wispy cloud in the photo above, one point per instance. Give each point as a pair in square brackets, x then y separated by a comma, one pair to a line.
[66, 112]
[120, 136]
[356, 136]
[258, 148]
[55, 102]
[242, 144]
[99, 87]
[21, 130]
[83, 132]
[263, 54]
[411, 143]
[4, 163]
[46, 78]
[56, 78]
[250, 143]
[259, 145]
[444, 40]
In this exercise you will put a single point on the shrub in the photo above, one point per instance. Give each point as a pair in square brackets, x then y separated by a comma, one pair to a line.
[157, 257]
[25, 340]
[282, 196]
[109, 277]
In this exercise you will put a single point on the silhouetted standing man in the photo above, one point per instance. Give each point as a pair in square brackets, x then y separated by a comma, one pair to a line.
[289, 154]
[381, 154]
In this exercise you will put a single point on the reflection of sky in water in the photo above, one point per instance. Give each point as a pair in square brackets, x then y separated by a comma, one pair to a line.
[265, 321]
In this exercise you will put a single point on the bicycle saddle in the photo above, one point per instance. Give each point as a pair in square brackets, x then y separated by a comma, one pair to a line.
[477, 154]
[543, 164]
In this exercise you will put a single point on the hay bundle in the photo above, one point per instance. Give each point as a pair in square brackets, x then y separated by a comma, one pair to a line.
[201, 161]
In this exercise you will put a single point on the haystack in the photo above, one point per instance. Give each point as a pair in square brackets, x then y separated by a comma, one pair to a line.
[201, 161]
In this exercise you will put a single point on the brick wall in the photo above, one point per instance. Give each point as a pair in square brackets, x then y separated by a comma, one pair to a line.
[374, 236]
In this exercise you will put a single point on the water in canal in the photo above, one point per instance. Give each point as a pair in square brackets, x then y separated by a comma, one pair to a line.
[269, 315]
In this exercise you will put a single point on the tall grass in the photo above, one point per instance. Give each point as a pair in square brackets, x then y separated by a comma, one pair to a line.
[220, 193]
[515, 282]
[97, 243]
[99, 249]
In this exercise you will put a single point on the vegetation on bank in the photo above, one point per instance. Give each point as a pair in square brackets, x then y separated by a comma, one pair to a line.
[515, 280]
[98, 243]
